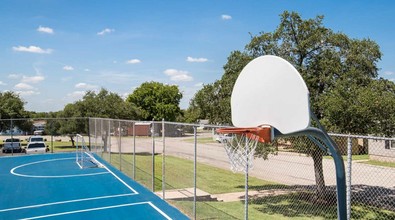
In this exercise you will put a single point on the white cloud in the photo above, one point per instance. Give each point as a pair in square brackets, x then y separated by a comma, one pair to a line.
[87, 70]
[14, 76]
[85, 86]
[226, 17]
[199, 84]
[68, 68]
[197, 60]
[32, 79]
[32, 49]
[178, 75]
[23, 86]
[389, 73]
[133, 61]
[28, 93]
[76, 95]
[105, 31]
[2, 83]
[46, 30]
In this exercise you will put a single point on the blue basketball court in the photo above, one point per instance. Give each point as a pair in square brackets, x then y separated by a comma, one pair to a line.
[54, 186]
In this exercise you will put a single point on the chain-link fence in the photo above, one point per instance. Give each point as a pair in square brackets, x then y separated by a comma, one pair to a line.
[57, 133]
[292, 178]
[186, 165]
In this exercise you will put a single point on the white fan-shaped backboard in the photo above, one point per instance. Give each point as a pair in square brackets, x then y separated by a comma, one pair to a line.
[270, 91]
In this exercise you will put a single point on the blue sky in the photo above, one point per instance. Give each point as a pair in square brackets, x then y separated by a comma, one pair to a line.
[52, 51]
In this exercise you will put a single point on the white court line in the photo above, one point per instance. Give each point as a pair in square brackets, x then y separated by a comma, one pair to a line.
[13, 170]
[67, 201]
[102, 208]
[43, 161]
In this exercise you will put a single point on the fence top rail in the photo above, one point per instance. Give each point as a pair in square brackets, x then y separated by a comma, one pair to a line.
[362, 137]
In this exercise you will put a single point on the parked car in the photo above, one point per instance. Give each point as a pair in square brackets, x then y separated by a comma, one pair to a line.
[12, 145]
[36, 147]
[223, 138]
[36, 139]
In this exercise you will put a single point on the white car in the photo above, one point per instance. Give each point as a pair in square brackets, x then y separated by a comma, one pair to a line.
[36, 148]
[36, 139]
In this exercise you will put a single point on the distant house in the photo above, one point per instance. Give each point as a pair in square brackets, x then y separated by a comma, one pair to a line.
[382, 150]
[39, 125]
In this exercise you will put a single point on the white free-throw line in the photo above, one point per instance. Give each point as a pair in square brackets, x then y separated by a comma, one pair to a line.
[67, 201]
[101, 208]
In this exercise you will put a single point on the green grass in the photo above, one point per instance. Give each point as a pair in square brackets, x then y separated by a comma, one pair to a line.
[179, 174]
[365, 159]
[353, 157]
[201, 140]
[293, 206]
[60, 146]
[380, 163]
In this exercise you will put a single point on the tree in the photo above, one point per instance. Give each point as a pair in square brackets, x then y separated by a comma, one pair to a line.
[103, 104]
[156, 101]
[330, 63]
[12, 107]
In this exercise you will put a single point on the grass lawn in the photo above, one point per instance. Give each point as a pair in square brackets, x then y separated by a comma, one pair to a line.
[353, 157]
[60, 146]
[365, 159]
[179, 174]
[201, 140]
[380, 163]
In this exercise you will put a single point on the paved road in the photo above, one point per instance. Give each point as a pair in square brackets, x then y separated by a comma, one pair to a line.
[286, 168]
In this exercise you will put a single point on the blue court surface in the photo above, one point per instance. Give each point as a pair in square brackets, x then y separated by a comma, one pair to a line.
[53, 186]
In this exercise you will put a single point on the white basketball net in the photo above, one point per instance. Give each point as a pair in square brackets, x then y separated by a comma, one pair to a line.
[240, 150]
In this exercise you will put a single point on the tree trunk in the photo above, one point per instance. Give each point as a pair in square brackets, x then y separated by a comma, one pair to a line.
[72, 140]
[319, 174]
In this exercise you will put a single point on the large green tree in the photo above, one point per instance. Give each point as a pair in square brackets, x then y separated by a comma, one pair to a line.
[335, 68]
[103, 104]
[156, 101]
[12, 107]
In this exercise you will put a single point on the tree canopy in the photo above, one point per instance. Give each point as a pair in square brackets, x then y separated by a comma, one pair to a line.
[335, 67]
[13, 107]
[156, 101]
[340, 73]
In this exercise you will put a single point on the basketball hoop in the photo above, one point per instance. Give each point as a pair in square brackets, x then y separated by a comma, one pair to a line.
[240, 145]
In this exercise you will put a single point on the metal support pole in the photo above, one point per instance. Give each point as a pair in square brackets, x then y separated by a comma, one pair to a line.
[348, 176]
[119, 146]
[89, 135]
[52, 133]
[194, 171]
[246, 182]
[12, 139]
[134, 150]
[95, 136]
[163, 160]
[339, 165]
[153, 156]
[109, 139]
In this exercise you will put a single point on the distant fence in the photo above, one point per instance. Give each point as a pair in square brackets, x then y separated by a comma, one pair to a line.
[185, 165]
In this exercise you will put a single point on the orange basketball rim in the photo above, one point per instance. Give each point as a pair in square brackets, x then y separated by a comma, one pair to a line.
[262, 133]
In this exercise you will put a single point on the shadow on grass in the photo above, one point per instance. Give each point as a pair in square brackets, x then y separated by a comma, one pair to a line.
[368, 202]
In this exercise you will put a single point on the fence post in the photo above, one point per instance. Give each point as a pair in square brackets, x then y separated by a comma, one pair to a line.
[134, 150]
[153, 156]
[119, 145]
[95, 136]
[194, 171]
[163, 160]
[109, 138]
[349, 164]
[246, 184]
[12, 138]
